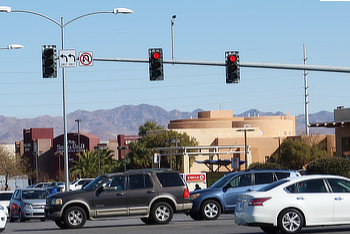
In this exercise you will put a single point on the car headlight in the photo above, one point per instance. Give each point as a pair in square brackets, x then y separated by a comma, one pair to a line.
[56, 201]
[28, 206]
[194, 196]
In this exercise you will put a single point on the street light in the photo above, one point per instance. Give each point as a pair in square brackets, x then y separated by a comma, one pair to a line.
[62, 25]
[12, 46]
[245, 130]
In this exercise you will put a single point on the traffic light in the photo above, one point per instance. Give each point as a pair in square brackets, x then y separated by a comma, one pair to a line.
[49, 56]
[156, 64]
[232, 69]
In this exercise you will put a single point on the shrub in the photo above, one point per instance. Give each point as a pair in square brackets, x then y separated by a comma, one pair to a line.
[330, 166]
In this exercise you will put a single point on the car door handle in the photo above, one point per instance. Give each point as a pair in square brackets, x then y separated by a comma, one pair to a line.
[150, 191]
[338, 198]
[249, 190]
[300, 198]
[120, 194]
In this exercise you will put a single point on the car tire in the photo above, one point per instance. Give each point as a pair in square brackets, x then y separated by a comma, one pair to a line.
[161, 213]
[11, 219]
[290, 221]
[210, 210]
[74, 217]
[147, 221]
[21, 216]
[61, 224]
[270, 230]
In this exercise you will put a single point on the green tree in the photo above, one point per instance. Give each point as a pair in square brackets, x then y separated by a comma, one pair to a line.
[88, 162]
[149, 126]
[267, 165]
[295, 154]
[141, 155]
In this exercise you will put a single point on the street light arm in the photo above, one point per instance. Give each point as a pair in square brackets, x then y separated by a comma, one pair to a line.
[35, 13]
[93, 13]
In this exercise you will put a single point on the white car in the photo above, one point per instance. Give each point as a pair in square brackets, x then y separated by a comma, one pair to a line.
[5, 197]
[3, 218]
[79, 183]
[288, 205]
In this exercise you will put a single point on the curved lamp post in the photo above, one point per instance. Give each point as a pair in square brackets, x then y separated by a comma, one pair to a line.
[12, 46]
[62, 26]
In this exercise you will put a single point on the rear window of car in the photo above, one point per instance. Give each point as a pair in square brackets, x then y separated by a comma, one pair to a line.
[170, 179]
[282, 175]
[5, 196]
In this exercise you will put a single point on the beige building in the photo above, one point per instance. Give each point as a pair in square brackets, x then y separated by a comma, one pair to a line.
[219, 128]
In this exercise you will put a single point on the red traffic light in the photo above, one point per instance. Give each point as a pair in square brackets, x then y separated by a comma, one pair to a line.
[156, 55]
[233, 58]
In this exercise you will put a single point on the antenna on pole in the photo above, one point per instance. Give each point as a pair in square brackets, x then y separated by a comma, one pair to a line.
[306, 96]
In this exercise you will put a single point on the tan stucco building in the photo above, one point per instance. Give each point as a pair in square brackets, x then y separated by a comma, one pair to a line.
[220, 128]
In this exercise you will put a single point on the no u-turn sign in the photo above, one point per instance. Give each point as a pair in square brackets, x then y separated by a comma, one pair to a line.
[85, 58]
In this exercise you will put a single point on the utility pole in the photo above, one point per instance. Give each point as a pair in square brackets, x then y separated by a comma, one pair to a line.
[78, 121]
[306, 97]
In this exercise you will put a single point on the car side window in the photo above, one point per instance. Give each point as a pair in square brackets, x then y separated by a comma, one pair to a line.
[115, 183]
[263, 178]
[140, 181]
[339, 185]
[312, 186]
[241, 181]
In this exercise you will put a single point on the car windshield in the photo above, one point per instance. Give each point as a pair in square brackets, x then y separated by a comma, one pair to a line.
[95, 183]
[223, 180]
[34, 194]
[272, 185]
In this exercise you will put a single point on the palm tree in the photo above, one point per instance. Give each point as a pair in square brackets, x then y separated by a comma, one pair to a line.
[89, 162]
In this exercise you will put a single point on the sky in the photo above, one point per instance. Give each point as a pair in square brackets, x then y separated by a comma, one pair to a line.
[270, 31]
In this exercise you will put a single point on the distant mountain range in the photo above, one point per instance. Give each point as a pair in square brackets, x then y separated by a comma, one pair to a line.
[126, 119]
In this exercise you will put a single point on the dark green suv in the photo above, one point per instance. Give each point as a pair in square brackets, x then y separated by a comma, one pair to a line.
[152, 194]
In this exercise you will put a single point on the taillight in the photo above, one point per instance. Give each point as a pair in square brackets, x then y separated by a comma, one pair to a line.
[258, 201]
[186, 193]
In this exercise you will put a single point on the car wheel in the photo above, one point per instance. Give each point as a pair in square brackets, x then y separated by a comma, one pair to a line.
[290, 221]
[147, 221]
[61, 224]
[21, 216]
[74, 217]
[270, 230]
[210, 210]
[196, 216]
[161, 213]
[11, 219]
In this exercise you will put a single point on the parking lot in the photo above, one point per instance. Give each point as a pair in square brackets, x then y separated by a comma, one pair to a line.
[180, 224]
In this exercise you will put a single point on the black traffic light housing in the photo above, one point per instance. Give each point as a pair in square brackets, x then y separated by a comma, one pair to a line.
[49, 64]
[156, 64]
[232, 67]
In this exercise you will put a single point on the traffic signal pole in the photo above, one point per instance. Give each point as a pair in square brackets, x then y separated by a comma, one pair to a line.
[241, 64]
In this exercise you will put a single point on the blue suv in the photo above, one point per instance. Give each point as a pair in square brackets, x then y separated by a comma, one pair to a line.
[222, 196]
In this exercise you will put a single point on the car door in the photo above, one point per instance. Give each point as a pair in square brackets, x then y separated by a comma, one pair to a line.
[237, 185]
[110, 199]
[315, 200]
[341, 200]
[140, 193]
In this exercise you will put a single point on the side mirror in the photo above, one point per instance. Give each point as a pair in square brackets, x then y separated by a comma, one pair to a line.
[227, 186]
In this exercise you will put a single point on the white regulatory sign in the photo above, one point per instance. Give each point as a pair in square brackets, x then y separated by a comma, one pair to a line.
[67, 58]
[85, 58]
